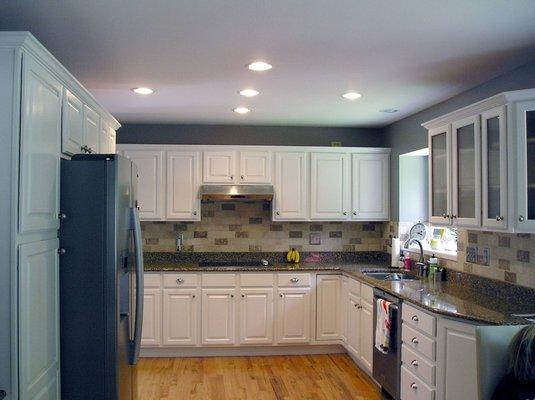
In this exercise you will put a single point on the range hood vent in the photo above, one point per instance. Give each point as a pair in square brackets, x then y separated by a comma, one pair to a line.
[237, 192]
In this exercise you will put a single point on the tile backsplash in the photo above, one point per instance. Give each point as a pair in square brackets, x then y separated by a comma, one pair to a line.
[511, 257]
[247, 226]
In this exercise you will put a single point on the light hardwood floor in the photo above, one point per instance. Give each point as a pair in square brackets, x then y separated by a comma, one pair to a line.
[310, 377]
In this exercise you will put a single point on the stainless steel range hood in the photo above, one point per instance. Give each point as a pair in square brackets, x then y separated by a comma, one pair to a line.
[237, 192]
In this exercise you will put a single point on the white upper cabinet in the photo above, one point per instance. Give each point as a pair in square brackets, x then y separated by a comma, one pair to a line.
[466, 162]
[439, 175]
[219, 166]
[72, 136]
[150, 182]
[107, 139]
[40, 148]
[91, 130]
[183, 201]
[370, 183]
[525, 194]
[494, 168]
[291, 188]
[330, 185]
[255, 167]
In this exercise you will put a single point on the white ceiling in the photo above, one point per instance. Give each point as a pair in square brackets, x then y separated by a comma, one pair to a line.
[406, 54]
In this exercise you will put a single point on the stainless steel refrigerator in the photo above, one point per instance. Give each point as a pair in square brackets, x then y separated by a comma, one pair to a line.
[101, 278]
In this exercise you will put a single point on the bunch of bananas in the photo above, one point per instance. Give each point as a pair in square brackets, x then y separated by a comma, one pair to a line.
[293, 256]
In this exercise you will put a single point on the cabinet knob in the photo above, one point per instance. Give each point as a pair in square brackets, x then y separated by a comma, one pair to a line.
[499, 218]
[521, 218]
[62, 216]
[414, 386]
[278, 213]
[414, 363]
[414, 340]
[454, 217]
[180, 281]
[345, 213]
[194, 212]
[354, 213]
[415, 318]
[61, 251]
[356, 305]
[242, 296]
[280, 295]
[241, 177]
[193, 296]
[294, 280]
[231, 177]
[231, 296]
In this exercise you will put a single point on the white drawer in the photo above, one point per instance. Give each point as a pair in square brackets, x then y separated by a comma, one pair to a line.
[419, 319]
[418, 365]
[354, 287]
[366, 293]
[218, 280]
[418, 341]
[413, 388]
[292, 280]
[152, 280]
[180, 280]
[256, 280]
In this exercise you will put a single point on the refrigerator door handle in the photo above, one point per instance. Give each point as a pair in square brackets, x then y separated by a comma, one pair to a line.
[136, 343]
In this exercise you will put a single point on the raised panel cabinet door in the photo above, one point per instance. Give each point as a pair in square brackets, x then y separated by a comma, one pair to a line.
[72, 133]
[328, 307]
[256, 316]
[91, 130]
[370, 185]
[466, 162]
[344, 300]
[329, 186]
[218, 316]
[366, 335]
[353, 324]
[255, 167]
[183, 202]
[112, 141]
[293, 315]
[525, 195]
[219, 167]
[440, 175]
[291, 186]
[107, 139]
[39, 357]
[152, 318]
[494, 168]
[456, 342]
[181, 310]
[150, 182]
[40, 149]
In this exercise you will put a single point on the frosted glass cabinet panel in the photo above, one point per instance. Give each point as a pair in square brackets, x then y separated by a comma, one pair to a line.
[439, 201]
[494, 168]
[525, 219]
[466, 172]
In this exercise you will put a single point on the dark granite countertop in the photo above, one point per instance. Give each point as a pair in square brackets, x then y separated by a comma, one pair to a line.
[463, 296]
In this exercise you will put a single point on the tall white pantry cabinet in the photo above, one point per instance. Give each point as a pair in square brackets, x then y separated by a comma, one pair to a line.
[44, 116]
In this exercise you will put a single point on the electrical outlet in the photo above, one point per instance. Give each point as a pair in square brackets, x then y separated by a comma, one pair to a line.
[471, 254]
[486, 256]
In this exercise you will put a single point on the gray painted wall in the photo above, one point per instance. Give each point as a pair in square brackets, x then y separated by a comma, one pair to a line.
[413, 188]
[408, 135]
[249, 135]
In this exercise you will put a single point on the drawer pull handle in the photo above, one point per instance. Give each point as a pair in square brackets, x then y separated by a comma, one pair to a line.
[415, 340]
[294, 280]
[414, 386]
[414, 363]
[180, 281]
[415, 318]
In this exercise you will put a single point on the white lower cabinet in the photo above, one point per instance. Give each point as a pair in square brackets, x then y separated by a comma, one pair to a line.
[181, 311]
[218, 316]
[256, 316]
[366, 335]
[293, 315]
[353, 324]
[328, 307]
[152, 314]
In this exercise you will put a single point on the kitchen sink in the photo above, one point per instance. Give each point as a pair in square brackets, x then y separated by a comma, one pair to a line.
[391, 276]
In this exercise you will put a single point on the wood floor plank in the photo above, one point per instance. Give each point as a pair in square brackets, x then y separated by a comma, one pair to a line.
[307, 377]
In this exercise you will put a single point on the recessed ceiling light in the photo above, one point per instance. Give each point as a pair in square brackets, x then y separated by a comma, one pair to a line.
[389, 110]
[249, 92]
[143, 90]
[241, 110]
[351, 95]
[259, 66]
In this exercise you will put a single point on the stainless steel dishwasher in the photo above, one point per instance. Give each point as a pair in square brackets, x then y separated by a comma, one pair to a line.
[386, 367]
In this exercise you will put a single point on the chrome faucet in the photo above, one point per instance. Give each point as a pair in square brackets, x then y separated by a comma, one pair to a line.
[413, 240]
[179, 241]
